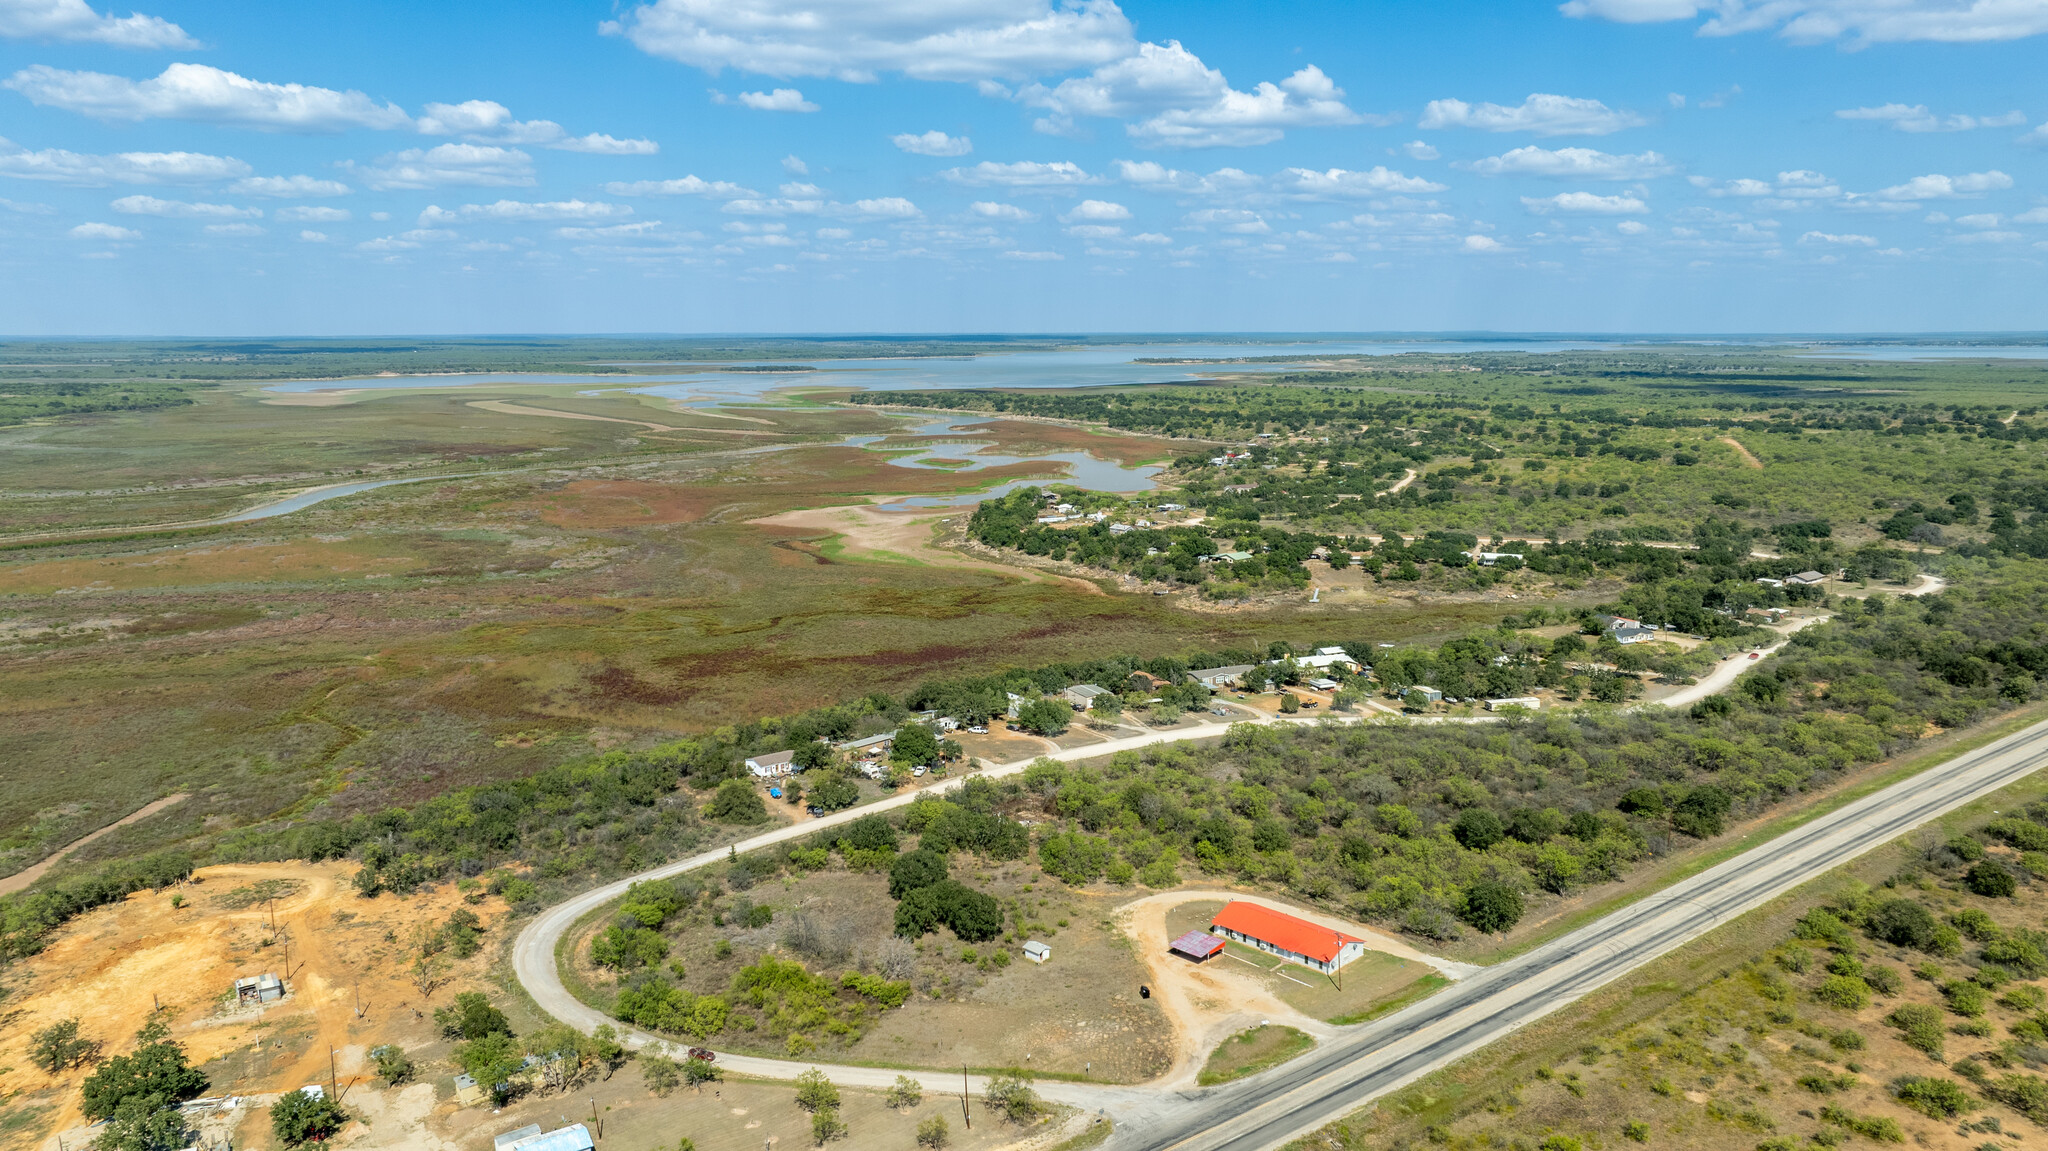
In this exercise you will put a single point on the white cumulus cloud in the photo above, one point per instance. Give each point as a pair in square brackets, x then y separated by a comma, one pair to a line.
[1021, 174]
[885, 207]
[991, 210]
[85, 170]
[207, 94]
[1845, 239]
[1573, 164]
[1819, 21]
[1097, 210]
[1158, 177]
[181, 209]
[933, 143]
[1175, 100]
[1586, 203]
[309, 214]
[75, 21]
[1477, 243]
[1417, 150]
[480, 165]
[1916, 118]
[958, 40]
[290, 187]
[1939, 187]
[524, 211]
[686, 186]
[104, 232]
[487, 121]
[1540, 113]
[1017, 255]
[779, 100]
[233, 229]
[1380, 181]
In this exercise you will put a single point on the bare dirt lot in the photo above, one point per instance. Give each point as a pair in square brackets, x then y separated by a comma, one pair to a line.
[109, 966]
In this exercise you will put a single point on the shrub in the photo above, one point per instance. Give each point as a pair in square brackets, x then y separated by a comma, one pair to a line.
[2026, 1094]
[1987, 878]
[471, 1017]
[394, 1066]
[1883, 980]
[1845, 992]
[1009, 1096]
[2022, 951]
[1976, 924]
[736, 801]
[933, 1133]
[1636, 1131]
[1561, 1143]
[1492, 906]
[1921, 1024]
[905, 1092]
[1902, 922]
[298, 1118]
[1964, 998]
[1936, 1098]
[1477, 828]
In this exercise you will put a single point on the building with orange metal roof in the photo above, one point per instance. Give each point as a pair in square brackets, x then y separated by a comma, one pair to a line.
[1278, 933]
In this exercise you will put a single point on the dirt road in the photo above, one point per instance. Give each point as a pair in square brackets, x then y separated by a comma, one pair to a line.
[20, 880]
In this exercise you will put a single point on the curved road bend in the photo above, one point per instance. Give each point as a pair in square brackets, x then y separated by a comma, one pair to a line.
[533, 960]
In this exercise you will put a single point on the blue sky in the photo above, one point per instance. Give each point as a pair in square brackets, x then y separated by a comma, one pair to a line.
[1022, 165]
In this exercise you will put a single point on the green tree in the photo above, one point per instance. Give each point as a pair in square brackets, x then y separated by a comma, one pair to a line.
[833, 794]
[827, 1126]
[59, 1047]
[1010, 1097]
[736, 801]
[1492, 906]
[698, 1072]
[814, 1092]
[471, 1017]
[914, 746]
[905, 1092]
[811, 755]
[1478, 828]
[492, 1060]
[144, 1123]
[156, 1069]
[298, 1118]
[394, 1066]
[623, 948]
[933, 1133]
[660, 1073]
[914, 870]
[1047, 717]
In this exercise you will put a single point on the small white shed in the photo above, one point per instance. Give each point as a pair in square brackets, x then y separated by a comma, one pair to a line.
[1036, 952]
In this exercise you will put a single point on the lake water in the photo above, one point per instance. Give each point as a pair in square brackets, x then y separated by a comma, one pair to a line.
[1091, 366]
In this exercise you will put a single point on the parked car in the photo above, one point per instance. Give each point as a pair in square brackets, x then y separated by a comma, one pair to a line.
[1756, 655]
[978, 730]
[918, 770]
[704, 1053]
[815, 810]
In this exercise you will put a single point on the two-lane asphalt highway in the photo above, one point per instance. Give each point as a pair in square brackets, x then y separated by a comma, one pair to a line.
[1299, 1097]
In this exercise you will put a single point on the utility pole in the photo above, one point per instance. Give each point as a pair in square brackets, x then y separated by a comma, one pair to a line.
[596, 1118]
[964, 1112]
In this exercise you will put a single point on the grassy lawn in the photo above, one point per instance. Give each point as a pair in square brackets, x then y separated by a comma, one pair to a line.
[1250, 1052]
